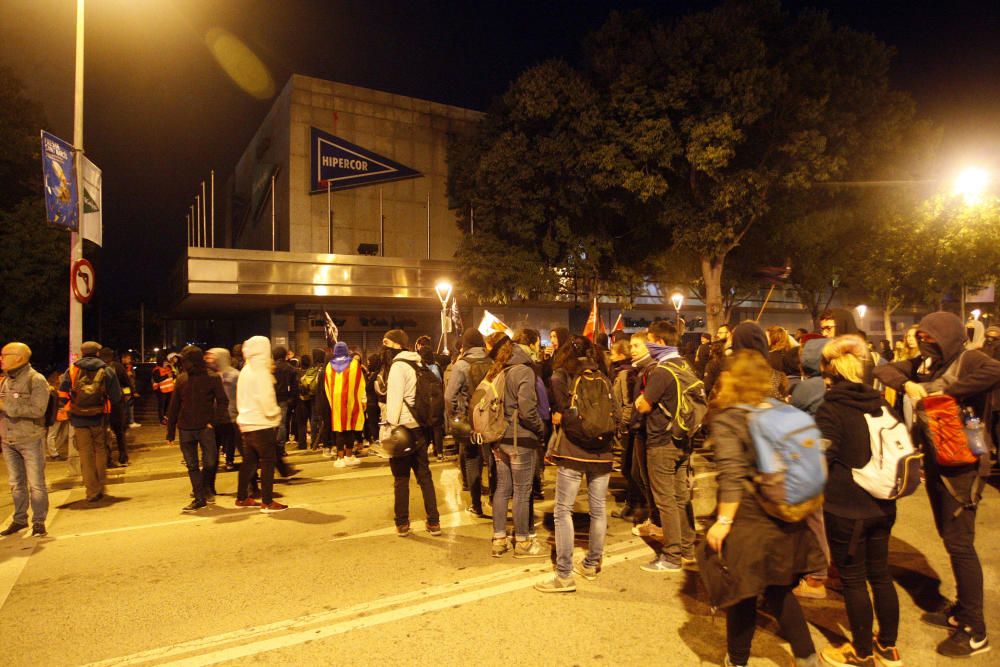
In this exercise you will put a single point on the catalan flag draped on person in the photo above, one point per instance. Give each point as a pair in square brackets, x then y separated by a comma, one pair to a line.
[343, 391]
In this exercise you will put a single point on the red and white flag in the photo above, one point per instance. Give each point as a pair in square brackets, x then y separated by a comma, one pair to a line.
[595, 324]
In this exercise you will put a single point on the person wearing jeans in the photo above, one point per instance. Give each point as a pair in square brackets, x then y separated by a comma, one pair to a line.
[669, 470]
[24, 399]
[203, 480]
[515, 468]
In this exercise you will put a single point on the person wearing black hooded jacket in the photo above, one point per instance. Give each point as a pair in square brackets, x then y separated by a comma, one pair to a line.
[749, 336]
[197, 397]
[968, 376]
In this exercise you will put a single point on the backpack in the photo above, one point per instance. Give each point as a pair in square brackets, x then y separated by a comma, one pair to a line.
[427, 407]
[88, 393]
[486, 410]
[592, 418]
[791, 465]
[894, 469]
[478, 369]
[309, 382]
[692, 404]
[941, 418]
[52, 408]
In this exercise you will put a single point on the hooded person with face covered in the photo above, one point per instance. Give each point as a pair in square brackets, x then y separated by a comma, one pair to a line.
[198, 397]
[970, 377]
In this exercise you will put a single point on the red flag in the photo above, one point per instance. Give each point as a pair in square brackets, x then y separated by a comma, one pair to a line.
[592, 322]
[619, 324]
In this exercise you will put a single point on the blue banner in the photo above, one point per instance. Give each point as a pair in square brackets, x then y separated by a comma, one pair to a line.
[346, 165]
[62, 200]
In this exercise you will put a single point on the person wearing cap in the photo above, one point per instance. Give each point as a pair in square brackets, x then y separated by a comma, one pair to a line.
[90, 426]
[401, 387]
[24, 399]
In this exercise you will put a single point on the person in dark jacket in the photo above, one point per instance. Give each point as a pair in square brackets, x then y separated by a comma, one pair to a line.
[573, 461]
[466, 373]
[285, 383]
[117, 417]
[858, 526]
[808, 394]
[515, 453]
[970, 377]
[762, 554]
[749, 336]
[199, 395]
[91, 430]
[623, 375]
[643, 363]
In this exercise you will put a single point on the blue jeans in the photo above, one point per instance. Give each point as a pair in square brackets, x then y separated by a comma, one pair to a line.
[567, 486]
[515, 469]
[203, 479]
[26, 473]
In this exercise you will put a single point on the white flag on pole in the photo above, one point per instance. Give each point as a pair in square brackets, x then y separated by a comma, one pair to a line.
[491, 324]
[90, 225]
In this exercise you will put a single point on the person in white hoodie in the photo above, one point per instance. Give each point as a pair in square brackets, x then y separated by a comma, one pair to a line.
[258, 417]
[400, 392]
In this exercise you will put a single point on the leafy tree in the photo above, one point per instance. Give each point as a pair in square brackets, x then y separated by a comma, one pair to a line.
[20, 160]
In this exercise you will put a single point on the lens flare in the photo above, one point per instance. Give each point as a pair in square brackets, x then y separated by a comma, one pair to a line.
[971, 184]
[240, 63]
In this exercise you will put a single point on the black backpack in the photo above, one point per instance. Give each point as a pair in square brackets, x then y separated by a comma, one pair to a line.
[52, 409]
[428, 399]
[478, 369]
[592, 418]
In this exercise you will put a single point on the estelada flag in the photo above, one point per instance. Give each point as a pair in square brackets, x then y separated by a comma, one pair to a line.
[595, 324]
[491, 324]
[619, 324]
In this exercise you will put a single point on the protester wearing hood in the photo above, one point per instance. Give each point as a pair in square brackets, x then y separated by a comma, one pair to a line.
[89, 390]
[808, 394]
[226, 433]
[970, 377]
[341, 398]
[466, 373]
[749, 336]
[24, 400]
[858, 526]
[401, 392]
[258, 416]
[198, 397]
[117, 417]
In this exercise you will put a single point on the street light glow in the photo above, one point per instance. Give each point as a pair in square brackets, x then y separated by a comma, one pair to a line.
[678, 300]
[976, 313]
[862, 309]
[971, 184]
[443, 289]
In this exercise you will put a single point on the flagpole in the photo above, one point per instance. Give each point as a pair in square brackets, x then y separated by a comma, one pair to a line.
[204, 216]
[191, 223]
[381, 225]
[329, 217]
[429, 230]
[197, 220]
[213, 208]
[273, 221]
[75, 238]
[189, 230]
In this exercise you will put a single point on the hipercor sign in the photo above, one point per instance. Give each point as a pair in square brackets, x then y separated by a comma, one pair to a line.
[346, 165]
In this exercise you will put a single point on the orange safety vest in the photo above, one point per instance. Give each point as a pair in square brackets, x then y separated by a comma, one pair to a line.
[165, 385]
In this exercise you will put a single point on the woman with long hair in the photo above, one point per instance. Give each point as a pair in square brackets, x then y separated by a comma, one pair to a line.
[910, 348]
[515, 452]
[782, 355]
[763, 555]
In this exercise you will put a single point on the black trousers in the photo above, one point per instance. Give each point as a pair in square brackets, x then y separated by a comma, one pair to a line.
[959, 536]
[860, 549]
[633, 491]
[259, 448]
[303, 415]
[420, 465]
[640, 473]
[741, 620]
[116, 420]
[227, 434]
[471, 459]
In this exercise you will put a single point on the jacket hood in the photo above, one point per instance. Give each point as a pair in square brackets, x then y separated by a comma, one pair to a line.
[90, 363]
[855, 395]
[407, 355]
[844, 320]
[812, 355]
[518, 356]
[477, 352]
[257, 352]
[223, 362]
[978, 334]
[193, 360]
[749, 336]
[948, 331]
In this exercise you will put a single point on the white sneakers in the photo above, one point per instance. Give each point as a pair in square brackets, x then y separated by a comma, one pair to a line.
[340, 463]
[347, 462]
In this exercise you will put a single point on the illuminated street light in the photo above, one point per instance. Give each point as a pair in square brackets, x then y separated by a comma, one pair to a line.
[443, 289]
[862, 309]
[971, 184]
[976, 313]
[678, 300]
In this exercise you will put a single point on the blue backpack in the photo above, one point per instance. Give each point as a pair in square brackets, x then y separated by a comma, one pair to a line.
[790, 461]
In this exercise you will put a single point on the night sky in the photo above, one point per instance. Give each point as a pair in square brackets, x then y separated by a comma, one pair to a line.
[160, 112]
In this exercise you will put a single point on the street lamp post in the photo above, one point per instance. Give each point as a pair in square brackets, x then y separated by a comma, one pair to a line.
[678, 300]
[443, 289]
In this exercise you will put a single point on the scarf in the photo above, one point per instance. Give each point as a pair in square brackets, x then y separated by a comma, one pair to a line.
[662, 352]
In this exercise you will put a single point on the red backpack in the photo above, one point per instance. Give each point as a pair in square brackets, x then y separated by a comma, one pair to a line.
[942, 419]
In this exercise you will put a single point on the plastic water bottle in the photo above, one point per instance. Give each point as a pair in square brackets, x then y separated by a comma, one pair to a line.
[975, 433]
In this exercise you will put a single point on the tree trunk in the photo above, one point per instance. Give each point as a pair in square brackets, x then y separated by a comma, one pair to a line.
[711, 273]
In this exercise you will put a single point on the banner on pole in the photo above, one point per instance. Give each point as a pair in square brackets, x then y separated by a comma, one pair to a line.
[62, 198]
[92, 228]
[491, 324]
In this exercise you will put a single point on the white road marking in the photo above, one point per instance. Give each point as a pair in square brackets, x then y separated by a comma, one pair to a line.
[239, 643]
[25, 545]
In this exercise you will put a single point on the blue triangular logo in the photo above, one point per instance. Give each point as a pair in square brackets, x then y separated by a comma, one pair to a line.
[347, 165]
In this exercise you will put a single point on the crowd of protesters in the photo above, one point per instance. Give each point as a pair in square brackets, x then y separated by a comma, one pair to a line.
[640, 403]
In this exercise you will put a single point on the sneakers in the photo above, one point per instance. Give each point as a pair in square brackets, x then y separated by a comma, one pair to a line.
[648, 529]
[434, 529]
[403, 531]
[941, 619]
[340, 463]
[210, 499]
[272, 507]
[501, 545]
[846, 656]
[247, 503]
[588, 573]
[886, 656]
[529, 549]
[627, 513]
[193, 507]
[556, 585]
[327, 453]
[352, 461]
[13, 528]
[661, 564]
[729, 663]
[811, 588]
[135, 425]
[478, 513]
[963, 644]
[38, 530]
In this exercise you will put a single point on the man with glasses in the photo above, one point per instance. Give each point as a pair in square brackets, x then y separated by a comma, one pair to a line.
[24, 400]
